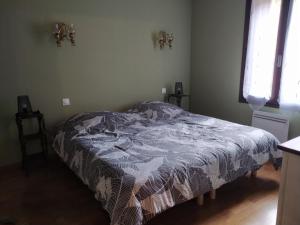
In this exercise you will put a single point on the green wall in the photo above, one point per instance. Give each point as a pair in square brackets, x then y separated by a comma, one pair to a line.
[113, 65]
[217, 40]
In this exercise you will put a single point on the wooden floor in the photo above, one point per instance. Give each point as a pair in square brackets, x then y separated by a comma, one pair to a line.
[55, 196]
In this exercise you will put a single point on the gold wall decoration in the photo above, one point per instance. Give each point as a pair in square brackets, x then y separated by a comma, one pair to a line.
[165, 39]
[63, 32]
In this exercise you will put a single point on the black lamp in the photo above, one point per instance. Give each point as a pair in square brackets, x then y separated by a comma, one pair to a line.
[178, 88]
[24, 105]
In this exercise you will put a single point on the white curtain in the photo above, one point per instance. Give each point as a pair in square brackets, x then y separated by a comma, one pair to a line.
[261, 51]
[290, 79]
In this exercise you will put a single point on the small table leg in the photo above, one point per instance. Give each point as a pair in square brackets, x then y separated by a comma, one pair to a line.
[178, 101]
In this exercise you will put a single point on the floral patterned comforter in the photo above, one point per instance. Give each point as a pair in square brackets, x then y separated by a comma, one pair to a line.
[156, 155]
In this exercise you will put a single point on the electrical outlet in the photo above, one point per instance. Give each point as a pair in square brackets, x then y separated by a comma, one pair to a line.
[66, 102]
[164, 91]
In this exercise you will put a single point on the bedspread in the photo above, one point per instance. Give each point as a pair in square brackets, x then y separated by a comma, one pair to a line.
[156, 155]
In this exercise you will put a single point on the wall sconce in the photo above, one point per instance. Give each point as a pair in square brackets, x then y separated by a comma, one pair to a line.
[63, 31]
[165, 39]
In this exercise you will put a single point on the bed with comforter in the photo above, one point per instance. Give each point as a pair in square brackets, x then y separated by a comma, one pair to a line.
[156, 155]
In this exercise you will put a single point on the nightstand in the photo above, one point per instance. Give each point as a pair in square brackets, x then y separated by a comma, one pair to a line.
[25, 138]
[288, 212]
[178, 98]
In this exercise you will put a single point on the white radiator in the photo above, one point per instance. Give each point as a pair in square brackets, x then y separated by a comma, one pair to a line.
[276, 124]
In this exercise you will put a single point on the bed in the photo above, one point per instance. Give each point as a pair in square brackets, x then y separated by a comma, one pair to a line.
[141, 162]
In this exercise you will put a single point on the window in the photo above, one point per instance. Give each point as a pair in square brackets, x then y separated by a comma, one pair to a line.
[271, 56]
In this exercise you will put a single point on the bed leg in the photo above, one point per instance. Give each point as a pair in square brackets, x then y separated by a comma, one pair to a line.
[200, 200]
[213, 194]
[254, 174]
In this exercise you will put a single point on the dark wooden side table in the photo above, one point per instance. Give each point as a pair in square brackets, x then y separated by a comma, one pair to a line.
[24, 138]
[178, 98]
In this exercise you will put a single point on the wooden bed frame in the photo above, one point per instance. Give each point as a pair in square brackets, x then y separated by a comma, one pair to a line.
[213, 193]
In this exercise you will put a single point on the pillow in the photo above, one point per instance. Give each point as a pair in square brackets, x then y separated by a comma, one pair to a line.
[157, 110]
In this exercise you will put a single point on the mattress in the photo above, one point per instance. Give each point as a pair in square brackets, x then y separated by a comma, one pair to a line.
[141, 162]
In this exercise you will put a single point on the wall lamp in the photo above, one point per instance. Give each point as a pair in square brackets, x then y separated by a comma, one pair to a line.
[165, 39]
[63, 32]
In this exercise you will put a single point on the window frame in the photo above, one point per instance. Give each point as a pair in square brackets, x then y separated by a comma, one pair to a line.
[282, 30]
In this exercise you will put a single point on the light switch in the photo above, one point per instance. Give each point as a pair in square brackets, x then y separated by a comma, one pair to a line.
[66, 102]
[164, 91]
